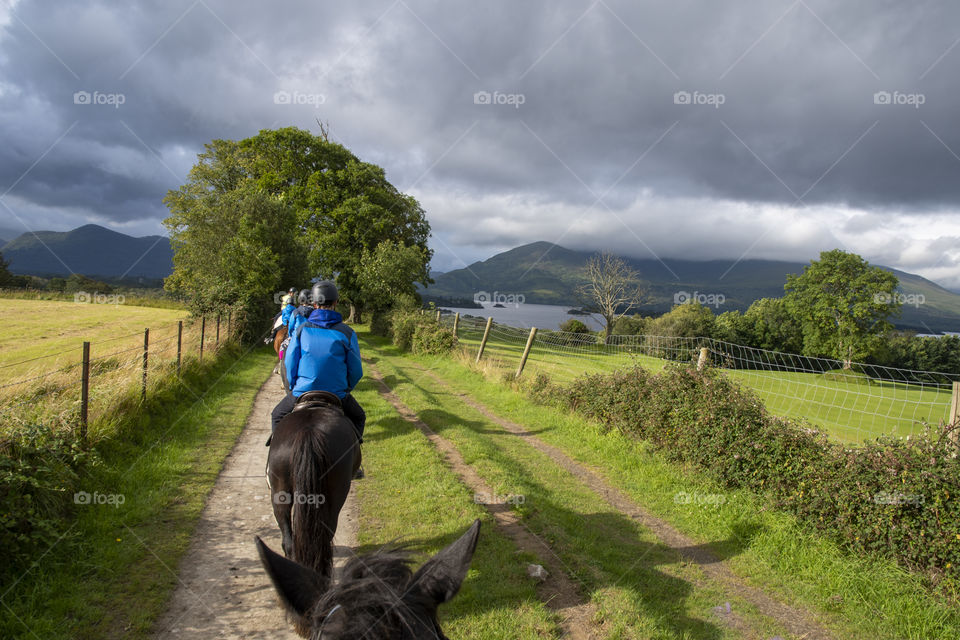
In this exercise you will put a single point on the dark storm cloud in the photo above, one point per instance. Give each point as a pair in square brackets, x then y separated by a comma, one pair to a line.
[807, 116]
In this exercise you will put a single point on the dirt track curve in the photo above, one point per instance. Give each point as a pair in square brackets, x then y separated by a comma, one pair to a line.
[223, 590]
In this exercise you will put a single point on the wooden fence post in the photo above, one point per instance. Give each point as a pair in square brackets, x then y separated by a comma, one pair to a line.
[438, 316]
[526, 351]
[84, 390]
[483, 343]
[218, 329]
[955, 412]
[179, 343]
[702, 360]
[203, 332]
[456, 323]
[146, 349]
[229, 318]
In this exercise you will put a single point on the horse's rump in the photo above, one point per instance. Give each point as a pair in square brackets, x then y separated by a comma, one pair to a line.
[314, 450]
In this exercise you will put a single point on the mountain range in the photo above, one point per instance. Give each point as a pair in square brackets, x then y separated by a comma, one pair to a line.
[91, 250]
[542, 272]
[546, 273]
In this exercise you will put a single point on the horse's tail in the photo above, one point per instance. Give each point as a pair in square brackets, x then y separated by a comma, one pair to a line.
[311, 522]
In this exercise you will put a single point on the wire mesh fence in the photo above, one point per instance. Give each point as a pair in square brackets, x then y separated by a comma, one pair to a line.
[85, 384]
[854, 403]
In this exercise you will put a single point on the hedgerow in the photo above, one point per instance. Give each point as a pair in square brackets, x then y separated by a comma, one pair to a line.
[892, 497]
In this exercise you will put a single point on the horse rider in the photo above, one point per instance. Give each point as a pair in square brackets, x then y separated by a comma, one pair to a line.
[288, 305]
[323, 355]
[301, 313]
[286, 308]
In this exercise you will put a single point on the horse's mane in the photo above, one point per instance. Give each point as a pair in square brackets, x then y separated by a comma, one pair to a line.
[375, 592]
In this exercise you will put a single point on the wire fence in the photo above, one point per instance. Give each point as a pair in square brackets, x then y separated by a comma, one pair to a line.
[864, 401]
[85, 384]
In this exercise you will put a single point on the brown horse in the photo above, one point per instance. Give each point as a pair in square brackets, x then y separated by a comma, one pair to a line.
[314, 453]
[378, 597]
[279, 368]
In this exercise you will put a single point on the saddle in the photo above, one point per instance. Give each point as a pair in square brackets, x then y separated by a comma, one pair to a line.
[315, 399]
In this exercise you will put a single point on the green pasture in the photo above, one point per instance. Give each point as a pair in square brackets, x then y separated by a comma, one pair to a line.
[849, 408]
[50, 334]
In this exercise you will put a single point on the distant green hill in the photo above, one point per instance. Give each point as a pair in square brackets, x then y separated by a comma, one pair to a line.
[91, 250]
[545, 273]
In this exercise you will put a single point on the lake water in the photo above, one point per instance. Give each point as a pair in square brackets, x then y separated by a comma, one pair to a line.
[541, 316]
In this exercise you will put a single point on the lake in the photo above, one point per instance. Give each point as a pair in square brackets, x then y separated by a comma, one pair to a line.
[541, 316]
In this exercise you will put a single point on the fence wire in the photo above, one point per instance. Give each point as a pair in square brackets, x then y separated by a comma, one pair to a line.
[862, 401]
[116, 369]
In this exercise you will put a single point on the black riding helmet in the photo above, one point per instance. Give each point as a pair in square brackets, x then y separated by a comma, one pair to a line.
[324, 292]
[303, 297]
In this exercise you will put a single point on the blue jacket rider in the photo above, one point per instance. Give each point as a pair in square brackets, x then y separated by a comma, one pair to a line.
[323, 355]
[301, 313]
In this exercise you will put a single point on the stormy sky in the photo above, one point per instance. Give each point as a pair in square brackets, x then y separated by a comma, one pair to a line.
[693, 129]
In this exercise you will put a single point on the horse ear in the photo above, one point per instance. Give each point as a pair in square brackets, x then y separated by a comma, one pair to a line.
[299, 586]
[440, 578]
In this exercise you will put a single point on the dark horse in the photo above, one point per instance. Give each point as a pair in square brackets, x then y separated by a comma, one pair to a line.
[313, 455]
[378, 596]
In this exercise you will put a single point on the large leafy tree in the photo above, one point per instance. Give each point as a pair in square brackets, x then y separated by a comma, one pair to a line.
[843, 304]
[279, 209]
[344, 206]
[234, 243]
[389, 272]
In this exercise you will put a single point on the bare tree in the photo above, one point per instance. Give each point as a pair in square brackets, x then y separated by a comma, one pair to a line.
[610, 288]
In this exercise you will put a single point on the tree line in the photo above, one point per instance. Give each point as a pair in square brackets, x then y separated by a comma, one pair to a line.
[839, 307]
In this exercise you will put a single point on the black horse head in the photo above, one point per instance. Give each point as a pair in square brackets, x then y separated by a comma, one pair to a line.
[379, 595]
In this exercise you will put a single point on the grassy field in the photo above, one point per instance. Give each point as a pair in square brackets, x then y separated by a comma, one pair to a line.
[850, 409]
[638, 585]
[41, 351]
[51, 333]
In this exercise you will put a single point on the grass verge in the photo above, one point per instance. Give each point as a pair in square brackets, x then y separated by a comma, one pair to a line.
[112, 571]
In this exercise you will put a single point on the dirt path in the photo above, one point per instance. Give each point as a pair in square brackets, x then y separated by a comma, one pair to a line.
[558, 592]
[223, 590]
[798, 622]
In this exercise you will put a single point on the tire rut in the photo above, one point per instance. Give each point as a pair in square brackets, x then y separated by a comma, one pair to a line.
[558, 592]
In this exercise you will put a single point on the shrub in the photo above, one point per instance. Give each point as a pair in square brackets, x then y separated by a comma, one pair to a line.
[431, 338]
[574, 326]
[380, 323]
[40, 468]
[891, 497]
[411, 331]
